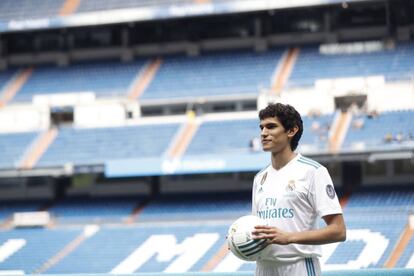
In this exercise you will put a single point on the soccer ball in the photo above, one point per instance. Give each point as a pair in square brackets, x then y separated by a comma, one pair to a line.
[239, 238]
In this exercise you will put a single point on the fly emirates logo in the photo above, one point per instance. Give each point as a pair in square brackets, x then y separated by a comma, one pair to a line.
[272, 212]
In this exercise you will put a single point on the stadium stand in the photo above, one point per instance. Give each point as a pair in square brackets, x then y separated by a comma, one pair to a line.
[215, 74]
[403, 200]
[24, 10]
[393, 64]
[316, 131]
[90, 145]
[111, 245]
[388, 130]
[218, 74]
[182, 69]
[366, 209]
[5, 77]
[13, 147]
[94, 5]
[218, 133]
[7, 208]
[195, 207]
[95, 145]
[94, 210]
[173, 219]
[372, 224]
[45, 242]
[407, 255]
[105, 79]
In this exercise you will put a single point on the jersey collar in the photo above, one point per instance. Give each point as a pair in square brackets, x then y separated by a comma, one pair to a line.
[298, 155]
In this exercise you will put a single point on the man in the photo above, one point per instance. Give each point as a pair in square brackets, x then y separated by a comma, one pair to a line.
[290, 194]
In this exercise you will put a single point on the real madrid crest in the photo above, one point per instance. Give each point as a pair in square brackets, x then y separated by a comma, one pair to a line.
[290, 187]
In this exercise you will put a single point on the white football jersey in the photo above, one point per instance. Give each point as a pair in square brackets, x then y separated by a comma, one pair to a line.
[292, 199]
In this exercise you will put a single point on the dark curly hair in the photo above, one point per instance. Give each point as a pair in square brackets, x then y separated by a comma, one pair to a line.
[289, 118]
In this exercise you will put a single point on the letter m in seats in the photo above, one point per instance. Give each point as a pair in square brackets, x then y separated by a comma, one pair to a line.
[165, 248]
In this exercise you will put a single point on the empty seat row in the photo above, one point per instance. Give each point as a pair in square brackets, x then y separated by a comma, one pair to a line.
[220, 74]
[166, 246]
[388, 130]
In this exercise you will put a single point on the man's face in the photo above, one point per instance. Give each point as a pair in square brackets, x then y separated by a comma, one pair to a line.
[273, 135]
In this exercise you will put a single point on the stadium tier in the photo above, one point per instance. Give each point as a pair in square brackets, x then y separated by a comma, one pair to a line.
[160, 246]
[196, 207]
[236, 73]
[88, 146]
[7, 208]
[383, 215]
[224, 136]
[375, 199]
[5, 77]
[316, 132]
[130, 137]
[96, 145]
[94, 210]
[221, 74]
[97, 5]
[235, 136]
[407, 255]
[385, 131]
[27, 9]
[160, 249]
[374, 232]
[393, 64]
[32, 248]
[105, 79]
[13, 147]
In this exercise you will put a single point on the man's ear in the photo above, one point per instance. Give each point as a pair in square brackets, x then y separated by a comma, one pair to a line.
[291, 132]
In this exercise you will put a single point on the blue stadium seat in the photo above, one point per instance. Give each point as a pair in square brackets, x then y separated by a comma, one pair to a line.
[7, 208]
[381, 213]
[195, 207]
[231, 136]
[97, 5]
[5, 77]
[111, 245]
[377, 199]
[27, 9]
[371, 135]
[40, 245]
[13, 146]
[81, 146]
[214, 135]
[395, 64]
[105, 79]
[94, 210]
[407, 254]
[390, 226]
[316, 131]
[219, 74]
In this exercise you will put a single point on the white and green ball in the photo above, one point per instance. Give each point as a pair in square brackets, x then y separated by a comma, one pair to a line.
[239, 238]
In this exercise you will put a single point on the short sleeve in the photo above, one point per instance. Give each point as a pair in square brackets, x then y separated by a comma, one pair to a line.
[323, 196]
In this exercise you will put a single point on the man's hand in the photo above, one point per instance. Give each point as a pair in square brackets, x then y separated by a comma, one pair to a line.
[334, 231]
[273, 235]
